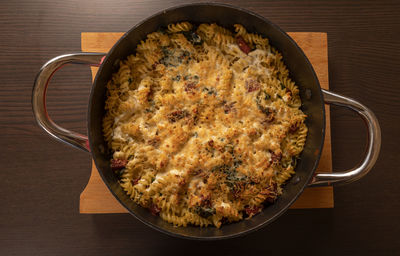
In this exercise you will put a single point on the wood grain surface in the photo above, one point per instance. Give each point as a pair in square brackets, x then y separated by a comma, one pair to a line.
[41, 179]
[96, 198]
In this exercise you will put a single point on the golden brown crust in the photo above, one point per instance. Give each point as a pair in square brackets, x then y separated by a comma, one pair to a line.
[208, 129]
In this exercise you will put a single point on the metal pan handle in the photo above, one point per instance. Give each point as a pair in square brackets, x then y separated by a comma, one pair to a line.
[39, 97]
[373, 148]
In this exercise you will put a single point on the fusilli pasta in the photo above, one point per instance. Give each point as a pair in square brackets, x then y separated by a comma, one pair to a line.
[204, 124]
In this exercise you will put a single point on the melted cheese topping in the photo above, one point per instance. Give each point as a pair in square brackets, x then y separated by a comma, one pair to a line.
[206, 129]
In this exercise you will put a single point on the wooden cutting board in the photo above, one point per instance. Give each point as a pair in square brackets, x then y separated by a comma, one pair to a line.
[96, 198]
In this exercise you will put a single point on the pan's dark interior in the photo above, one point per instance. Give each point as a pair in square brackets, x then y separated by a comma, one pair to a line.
[300, 70]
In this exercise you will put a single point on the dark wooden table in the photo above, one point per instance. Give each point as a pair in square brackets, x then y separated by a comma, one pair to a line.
[41, 179]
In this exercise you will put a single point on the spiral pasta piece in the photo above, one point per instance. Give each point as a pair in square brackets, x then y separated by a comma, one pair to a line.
[178, 27]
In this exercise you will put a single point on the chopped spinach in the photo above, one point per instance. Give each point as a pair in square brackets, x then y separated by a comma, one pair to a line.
[185, 54]
[262, 101]
[166, 61]
[210, 91]
[234, 179]
[165, 51]
[193, 78]
[267, 111]
[204, 212]
[232, 176]
[192, 37]
[237, 163]
[173, 57]
[177, 78]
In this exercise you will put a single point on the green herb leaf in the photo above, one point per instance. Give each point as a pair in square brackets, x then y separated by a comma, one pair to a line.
[204, 212]
[192, 37]
[177, 78]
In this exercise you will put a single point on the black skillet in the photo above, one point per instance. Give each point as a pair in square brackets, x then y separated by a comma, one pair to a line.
[313, 98]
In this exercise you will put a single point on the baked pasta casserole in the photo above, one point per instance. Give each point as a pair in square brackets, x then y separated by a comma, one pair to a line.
[204, 124]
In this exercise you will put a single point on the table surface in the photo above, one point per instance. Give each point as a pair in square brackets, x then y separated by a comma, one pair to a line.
[41, 179]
